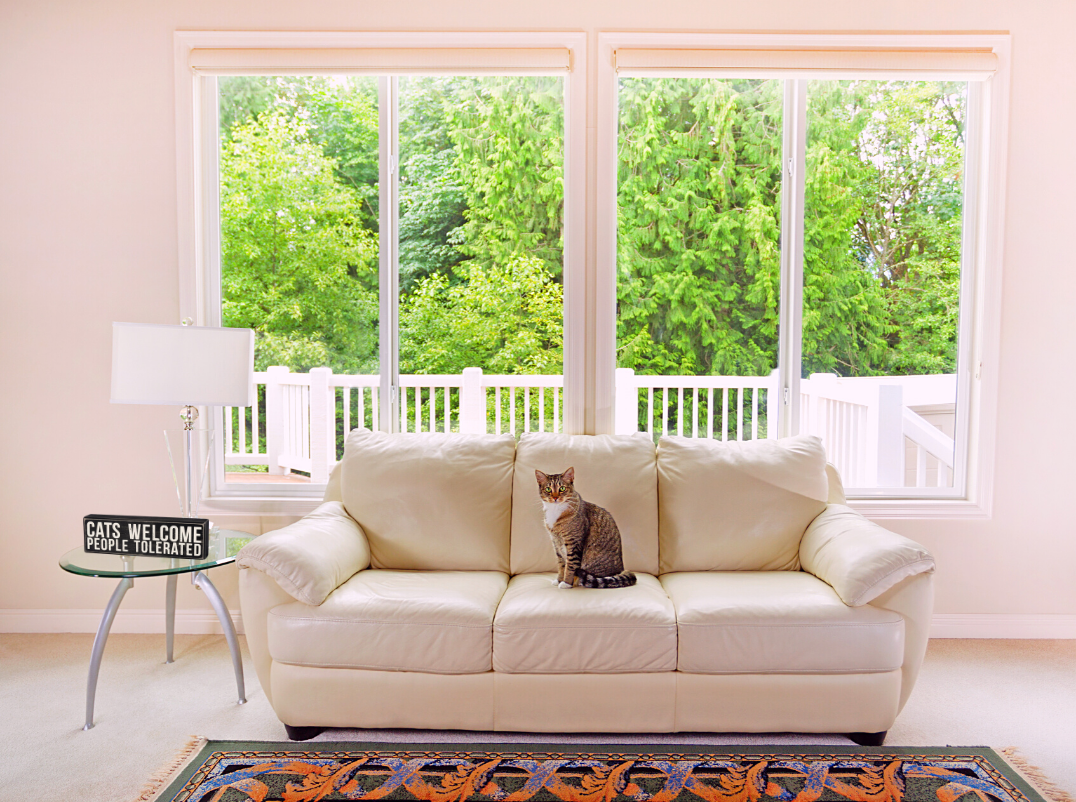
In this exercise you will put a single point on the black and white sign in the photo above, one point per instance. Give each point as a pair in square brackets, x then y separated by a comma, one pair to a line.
[141, 536]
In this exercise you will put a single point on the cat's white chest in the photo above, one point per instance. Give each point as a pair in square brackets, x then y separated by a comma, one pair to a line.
[553, 511]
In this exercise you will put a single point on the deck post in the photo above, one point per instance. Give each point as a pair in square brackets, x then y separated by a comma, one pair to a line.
[274, 417]
[626, 405]
[322, 425]
[472, 402]
[890, 435]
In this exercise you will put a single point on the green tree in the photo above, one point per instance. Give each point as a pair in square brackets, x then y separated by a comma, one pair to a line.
[509, 139]
[504, 319]
[884, 207]
[343, 119]
[845, 320]
[699, 224]
[296, 264]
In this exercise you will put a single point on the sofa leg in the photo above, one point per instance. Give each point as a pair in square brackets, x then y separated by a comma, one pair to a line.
[303, 733]
[868, 738]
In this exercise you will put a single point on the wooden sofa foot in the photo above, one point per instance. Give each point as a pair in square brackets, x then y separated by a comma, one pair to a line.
[302, 733]
[868, 738]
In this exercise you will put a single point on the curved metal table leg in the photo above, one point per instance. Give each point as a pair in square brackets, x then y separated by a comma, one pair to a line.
[202, 582]
[170, 616]
[99, 645]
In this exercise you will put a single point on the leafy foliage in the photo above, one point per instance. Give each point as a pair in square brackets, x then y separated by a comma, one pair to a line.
[699, 205]
[297, 266]
[699, 223]
[505, 319]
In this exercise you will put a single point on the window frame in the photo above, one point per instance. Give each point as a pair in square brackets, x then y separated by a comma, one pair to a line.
[198, 251]
[982, 246]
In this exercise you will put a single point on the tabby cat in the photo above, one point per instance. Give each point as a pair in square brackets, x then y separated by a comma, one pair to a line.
[585, 537]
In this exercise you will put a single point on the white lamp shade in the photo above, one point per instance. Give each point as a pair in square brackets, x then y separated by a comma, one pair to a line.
[182, 365]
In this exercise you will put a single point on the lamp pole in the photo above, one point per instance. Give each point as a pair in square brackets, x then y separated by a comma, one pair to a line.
[189, 415]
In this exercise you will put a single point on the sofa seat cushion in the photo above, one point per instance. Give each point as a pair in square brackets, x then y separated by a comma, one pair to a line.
[777, 622]
[438, 622]
[543, 629]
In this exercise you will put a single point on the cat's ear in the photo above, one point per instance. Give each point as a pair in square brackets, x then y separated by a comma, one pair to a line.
[541, 477]
[569, 475]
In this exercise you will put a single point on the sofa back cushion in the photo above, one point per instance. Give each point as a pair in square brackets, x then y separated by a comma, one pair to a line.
[738, 505]
[431, 501]
[617, 472]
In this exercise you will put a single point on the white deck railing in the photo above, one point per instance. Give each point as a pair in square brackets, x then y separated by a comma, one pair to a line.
[871, 433]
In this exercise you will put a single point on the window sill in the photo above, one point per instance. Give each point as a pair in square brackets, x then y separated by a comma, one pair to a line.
[906, 509]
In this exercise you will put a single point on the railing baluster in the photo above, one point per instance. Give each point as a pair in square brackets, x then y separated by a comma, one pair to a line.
[304, 420]
[695, 412]
[512, 408]
[680, 412]
[375, 408]
[754, 413]
[403, 409]
[650, 412]
[347, 409]
[921, 466]
[255, 424]
[526, 409]
[556, 410]
[448, 410]
[664, 411]
[241, 414]
[724, 414]
[739, 413]
[541, 409]
[498, 410]
[433, 408]
[709, 413]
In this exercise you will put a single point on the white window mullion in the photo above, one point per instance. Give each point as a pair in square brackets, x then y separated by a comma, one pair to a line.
[793, 184]
[969, 359]
[388, 249]
[207, 311]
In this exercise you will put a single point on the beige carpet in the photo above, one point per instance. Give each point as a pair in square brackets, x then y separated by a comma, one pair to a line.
[971, 693]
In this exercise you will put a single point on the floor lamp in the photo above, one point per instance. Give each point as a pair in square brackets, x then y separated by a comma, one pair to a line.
[187, 366]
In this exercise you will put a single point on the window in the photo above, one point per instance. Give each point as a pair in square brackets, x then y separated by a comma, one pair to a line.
[802, 246]
[790, 233]
[388, 213]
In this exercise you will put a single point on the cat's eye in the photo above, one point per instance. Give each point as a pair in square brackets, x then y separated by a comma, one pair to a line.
[549, 488]
[563, 489]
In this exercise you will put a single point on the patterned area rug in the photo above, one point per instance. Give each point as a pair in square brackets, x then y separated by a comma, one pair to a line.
[224, 771]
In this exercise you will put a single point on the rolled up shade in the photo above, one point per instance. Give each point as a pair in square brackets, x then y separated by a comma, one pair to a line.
[894, 64]
[374, 60]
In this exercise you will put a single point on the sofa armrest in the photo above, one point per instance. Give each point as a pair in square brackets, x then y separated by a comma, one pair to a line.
[857, 558]
[313, 556]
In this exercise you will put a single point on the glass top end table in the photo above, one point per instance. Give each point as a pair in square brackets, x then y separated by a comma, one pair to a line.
[224, 544]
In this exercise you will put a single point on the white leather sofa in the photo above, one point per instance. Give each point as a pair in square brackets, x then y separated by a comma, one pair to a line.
[420, 594]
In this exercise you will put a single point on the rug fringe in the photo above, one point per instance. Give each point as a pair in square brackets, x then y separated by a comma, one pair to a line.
[1035, 776]
[169, 770]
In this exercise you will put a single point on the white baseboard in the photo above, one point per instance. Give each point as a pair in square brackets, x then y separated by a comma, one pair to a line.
[188, 622]
[204, 622]
[1003, 626]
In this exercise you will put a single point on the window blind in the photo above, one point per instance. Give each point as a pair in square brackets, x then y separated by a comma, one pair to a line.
[893, 64]
[375, 60]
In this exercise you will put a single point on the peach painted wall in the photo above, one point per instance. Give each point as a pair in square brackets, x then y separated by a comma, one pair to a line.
[88, 235]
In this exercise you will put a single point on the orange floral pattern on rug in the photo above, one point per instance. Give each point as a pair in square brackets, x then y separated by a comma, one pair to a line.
[283, 776]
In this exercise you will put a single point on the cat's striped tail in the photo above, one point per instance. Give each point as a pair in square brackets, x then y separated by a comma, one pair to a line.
[621, 580]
